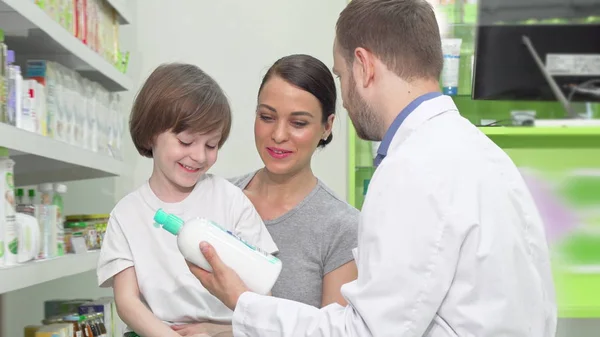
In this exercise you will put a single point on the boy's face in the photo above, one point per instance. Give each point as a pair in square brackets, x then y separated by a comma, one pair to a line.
[181, 159]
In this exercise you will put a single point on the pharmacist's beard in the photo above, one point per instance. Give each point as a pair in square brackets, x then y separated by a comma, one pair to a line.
[366, 121]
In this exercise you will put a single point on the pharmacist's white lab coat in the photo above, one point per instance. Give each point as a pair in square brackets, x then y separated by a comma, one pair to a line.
[450, 244]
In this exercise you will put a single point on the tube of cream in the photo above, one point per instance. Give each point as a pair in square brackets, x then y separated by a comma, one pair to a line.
[450, 72]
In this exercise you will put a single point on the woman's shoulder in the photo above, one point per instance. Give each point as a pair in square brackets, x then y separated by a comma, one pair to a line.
[243, 180]
[334, 202]
[333, 210]
[337, 225]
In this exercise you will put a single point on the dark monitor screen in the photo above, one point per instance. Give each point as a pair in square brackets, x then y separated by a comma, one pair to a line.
[512, 11]
[504, 68]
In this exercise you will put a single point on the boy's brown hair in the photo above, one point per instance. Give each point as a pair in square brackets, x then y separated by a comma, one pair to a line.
[403, 34]
[178, 97]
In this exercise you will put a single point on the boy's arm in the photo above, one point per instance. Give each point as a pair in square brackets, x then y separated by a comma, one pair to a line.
[115, 268]
[207, 328]
[133, 311]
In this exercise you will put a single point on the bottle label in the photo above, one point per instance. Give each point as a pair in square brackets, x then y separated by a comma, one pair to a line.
[269, 257]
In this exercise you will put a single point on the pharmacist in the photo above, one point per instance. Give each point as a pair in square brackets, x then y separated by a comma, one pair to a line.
[450, 242]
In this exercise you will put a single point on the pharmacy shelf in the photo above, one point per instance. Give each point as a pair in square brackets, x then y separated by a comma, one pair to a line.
[122, 11]
[41, 159]
[33, 34]
[36, 272]
[544, 137]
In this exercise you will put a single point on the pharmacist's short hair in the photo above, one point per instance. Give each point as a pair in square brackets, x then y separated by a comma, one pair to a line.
[403, 34]
[178, 97]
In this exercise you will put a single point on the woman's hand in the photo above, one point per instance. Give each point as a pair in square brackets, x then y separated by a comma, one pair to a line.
[202, 329]
[223, 282]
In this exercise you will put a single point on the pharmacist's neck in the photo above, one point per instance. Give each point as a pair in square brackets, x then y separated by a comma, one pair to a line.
[400, 95]
[166, 191]
[278, 186]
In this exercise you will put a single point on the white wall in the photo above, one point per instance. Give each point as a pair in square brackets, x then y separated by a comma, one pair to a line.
[235, 42]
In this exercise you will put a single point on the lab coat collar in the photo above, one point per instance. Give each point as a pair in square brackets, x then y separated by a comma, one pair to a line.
[424, 112]
[391, 132]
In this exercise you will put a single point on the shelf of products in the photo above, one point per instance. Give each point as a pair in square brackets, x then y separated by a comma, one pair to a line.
[42, 159]
[78, 317]
[34, 34]
[124, 16]
[35, 272]
[40, 244]
[59, 125]
[61, 119]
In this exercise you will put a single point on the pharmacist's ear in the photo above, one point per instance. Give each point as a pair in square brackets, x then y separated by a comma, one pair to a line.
[363, 67]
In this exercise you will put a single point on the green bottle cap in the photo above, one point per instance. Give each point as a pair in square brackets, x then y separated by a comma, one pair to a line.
[31, 193]
[169, 222]
[4, 152]
[20, 192]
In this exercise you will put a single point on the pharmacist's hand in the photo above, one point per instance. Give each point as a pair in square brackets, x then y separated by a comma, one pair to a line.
[223, 282]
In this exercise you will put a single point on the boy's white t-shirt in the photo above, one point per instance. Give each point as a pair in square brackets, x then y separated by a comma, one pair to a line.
[167, 286]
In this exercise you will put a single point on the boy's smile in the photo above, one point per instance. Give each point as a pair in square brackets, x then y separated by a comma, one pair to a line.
[180, 160]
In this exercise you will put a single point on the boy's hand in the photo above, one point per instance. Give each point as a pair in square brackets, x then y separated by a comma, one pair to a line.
[202, 329]
[223, 282]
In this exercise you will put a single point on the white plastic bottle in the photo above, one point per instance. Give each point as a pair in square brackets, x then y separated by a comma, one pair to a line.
[8, 203]
[258, 270]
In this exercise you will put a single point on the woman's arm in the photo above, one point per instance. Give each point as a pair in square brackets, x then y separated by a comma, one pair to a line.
[333, 281]
[339, 266]
[133, 311]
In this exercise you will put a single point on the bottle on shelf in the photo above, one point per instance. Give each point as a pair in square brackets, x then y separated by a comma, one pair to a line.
[25, 204]
[51, 231]
[8, 224]
[57, 200]
[3, 77]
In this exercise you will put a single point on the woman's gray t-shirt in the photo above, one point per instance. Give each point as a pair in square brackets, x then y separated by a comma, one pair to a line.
[314, 238]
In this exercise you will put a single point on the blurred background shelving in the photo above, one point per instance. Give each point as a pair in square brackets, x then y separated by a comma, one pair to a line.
[69, 127]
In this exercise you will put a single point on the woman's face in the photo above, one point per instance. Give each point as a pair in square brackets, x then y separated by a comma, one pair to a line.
[288, 126]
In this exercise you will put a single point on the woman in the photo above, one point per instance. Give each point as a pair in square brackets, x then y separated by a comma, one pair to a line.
[314, 230]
